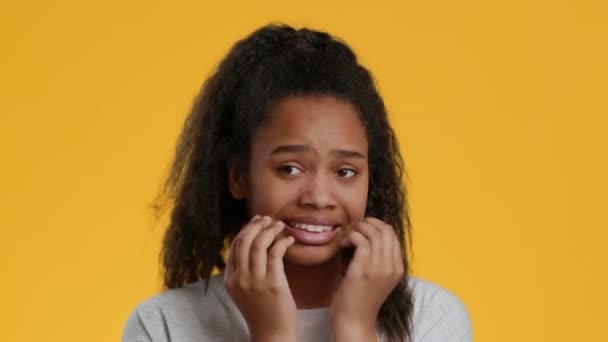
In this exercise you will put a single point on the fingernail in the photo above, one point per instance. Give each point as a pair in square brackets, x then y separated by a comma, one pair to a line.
[266, 219]
[281, 224]
[255, 217]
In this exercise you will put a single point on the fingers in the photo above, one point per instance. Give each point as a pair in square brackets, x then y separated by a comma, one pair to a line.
[275, 269]
[259, 249]
[377, 246]
[361, 259]
[388, 239]
[231, 261]
[398, 259]
[257, 253]
[243, 243]
[374, 237]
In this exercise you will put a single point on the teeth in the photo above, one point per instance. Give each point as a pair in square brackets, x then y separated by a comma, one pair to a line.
[312, 228]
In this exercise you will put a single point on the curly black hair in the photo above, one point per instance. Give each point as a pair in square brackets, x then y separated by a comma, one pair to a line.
[273, 62]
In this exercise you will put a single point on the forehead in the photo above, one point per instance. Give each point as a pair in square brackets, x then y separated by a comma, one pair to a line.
[321, 121]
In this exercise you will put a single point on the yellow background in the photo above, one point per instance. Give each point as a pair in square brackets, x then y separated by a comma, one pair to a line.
[500, 107]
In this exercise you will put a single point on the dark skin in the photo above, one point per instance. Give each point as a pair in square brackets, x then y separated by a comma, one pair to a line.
[309, 164]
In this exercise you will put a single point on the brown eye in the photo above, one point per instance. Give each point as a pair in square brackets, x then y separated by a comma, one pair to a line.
[290, 170]
[346, 173]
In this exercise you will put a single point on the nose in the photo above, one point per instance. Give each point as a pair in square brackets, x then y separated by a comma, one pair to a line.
[318, 192]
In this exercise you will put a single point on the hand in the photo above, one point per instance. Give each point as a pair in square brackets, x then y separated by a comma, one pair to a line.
[255, 280]
[374, 271]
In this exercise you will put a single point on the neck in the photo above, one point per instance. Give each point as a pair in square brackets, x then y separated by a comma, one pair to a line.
[313, 286]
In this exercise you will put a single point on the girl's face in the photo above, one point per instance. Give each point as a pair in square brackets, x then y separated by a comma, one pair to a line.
[309, 169]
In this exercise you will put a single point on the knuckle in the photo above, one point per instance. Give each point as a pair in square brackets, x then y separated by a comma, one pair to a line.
[273, 286]
[376, 234]
[256, 247]
[275, 252]
[275, 290]
[364, 249]
[258, 286]
[387, 273]
[365, 243]
[241, 240]
[389, 229]
[243, 284]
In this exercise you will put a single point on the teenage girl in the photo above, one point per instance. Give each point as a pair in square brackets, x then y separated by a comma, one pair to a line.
[288, 181]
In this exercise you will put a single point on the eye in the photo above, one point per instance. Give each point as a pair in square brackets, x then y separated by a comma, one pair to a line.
[290, 170]
[346, 173]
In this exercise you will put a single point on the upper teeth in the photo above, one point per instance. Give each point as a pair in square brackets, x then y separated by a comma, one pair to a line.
[312, 228]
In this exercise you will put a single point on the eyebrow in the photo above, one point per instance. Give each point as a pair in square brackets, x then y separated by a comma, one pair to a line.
[305, 148]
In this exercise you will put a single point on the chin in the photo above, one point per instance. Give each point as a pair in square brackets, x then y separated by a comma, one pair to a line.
[307, 255]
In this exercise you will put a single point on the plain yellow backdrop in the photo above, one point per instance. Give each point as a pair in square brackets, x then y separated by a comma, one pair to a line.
[500, 107]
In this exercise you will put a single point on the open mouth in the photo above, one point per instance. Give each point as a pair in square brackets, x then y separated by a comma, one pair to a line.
[313, 228]
[311, 234]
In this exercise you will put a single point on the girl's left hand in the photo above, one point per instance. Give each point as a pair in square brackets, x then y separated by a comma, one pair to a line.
[374, 271]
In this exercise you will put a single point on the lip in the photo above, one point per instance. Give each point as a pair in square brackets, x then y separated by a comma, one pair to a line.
[304, 237]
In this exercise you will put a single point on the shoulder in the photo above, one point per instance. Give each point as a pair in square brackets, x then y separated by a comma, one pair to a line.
[439, 315]
[154, 318]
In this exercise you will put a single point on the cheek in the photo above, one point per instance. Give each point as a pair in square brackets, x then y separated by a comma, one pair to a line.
[269, 196]
[355, 202]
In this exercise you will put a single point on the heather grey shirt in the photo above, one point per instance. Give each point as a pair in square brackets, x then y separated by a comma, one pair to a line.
[188, 315]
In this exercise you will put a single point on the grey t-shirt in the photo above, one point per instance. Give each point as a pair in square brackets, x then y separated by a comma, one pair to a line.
[188, 315]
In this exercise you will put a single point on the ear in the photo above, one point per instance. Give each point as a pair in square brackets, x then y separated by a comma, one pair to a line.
[236, 182]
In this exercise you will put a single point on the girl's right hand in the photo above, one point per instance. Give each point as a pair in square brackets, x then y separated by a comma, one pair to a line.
[256, 281]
